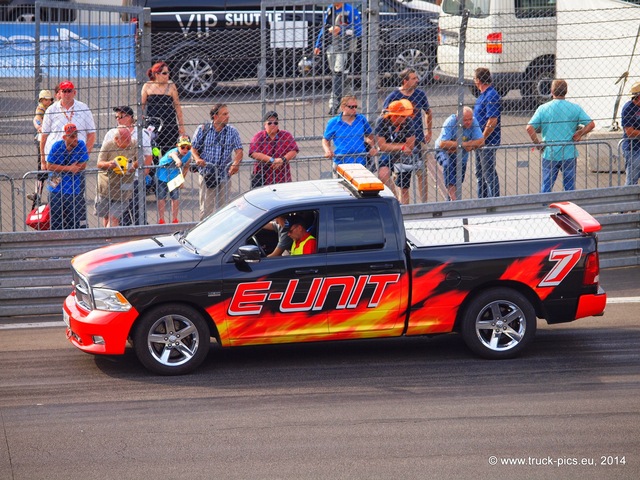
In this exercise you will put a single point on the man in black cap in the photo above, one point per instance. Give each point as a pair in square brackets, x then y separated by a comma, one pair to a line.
[135, 213]
[272, 149]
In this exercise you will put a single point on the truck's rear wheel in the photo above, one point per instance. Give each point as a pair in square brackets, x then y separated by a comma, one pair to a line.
[172, 339]
[499, 323]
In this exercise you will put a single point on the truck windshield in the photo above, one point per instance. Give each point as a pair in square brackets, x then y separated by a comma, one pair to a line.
[477, 8]
[216, 232]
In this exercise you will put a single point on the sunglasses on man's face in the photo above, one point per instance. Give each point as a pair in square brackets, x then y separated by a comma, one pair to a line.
[185, 147]
[351, 106]
[273, 123]
[67, 90]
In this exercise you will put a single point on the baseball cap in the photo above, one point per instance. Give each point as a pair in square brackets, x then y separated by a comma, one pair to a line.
[270, 114]
[70, 129]
[67, 84]
[295, 219]
[402, 108]
[184, 140]
[635, 89]
[127, 110]
[45, 94]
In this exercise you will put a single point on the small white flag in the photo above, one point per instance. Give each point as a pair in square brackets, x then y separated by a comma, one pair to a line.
[176, 182]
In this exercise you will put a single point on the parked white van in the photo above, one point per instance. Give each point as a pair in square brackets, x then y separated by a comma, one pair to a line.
[514, 39]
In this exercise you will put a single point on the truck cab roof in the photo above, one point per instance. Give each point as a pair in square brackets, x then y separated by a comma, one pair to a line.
[315, 192]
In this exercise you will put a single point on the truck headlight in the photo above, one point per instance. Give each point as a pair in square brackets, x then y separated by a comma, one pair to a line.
[110, 300]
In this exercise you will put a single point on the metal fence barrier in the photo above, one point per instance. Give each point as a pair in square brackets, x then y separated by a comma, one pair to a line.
[518, 167]
[35, 266]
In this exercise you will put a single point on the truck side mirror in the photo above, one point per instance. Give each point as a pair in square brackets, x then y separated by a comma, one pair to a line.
[248, 254]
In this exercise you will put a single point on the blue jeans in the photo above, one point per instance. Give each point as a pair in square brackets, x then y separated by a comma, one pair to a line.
[550, 170]
[631, 162]
[68, 212]
[488, 181]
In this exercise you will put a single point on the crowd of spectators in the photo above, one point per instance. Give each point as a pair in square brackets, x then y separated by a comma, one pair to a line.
[396, 147]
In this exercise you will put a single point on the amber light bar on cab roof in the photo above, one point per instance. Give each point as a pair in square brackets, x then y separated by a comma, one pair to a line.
[361, 179]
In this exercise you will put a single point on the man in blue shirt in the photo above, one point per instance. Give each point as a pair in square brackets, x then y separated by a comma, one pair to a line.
[409, 90]
[351, 134]
[487, 111]
[561, 123]
[631, 140]
[447, 143]
[66, 163]
[338, 38]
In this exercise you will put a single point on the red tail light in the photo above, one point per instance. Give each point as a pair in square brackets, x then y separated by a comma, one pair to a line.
[592, 269]
[494, 42]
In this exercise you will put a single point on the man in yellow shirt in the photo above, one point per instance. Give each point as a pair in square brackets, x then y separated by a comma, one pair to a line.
[303, 242]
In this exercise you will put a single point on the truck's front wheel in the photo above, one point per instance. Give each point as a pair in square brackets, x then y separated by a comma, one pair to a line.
[499, 323]
[172, 339]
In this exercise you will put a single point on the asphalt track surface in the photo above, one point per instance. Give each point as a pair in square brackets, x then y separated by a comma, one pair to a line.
[378, 409]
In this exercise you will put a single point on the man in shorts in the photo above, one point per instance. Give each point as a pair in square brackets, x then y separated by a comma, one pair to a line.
[447, 143]
[117, 162]
[396, 139]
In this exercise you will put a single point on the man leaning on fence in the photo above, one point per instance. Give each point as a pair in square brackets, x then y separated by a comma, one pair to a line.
[217, 151]
[273, 149]
[447, 145]
[351, 134]
[135, 214]
[66, 163]
[117, 162]
[631, 141]
[66, 110]
[561, 123]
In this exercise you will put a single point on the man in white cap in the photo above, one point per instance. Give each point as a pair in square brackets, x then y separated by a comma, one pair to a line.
[631, 138]
[67, 110]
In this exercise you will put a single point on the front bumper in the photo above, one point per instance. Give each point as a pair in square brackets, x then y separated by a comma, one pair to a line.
[97, 332]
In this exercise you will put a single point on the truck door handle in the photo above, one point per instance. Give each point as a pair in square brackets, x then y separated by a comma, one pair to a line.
[306, 271]
[381, 266]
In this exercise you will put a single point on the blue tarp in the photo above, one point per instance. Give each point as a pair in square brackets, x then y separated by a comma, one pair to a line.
[68, 50]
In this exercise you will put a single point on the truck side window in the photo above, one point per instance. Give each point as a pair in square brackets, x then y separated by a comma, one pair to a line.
[358, 228]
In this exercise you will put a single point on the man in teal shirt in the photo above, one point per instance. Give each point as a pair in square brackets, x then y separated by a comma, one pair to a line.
[561, 123]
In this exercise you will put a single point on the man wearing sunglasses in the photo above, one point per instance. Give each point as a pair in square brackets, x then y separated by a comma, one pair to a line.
[272, 149]
[351, 134]
[67, 110]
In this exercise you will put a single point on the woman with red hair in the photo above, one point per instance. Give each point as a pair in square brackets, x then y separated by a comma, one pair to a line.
[160, 99]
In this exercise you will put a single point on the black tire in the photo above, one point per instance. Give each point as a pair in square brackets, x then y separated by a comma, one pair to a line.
[195, 75]
[418, 59]
[536, 88]
[499, 323]
[172, 339]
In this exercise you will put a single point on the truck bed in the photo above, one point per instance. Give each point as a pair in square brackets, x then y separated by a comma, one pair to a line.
[483, 229]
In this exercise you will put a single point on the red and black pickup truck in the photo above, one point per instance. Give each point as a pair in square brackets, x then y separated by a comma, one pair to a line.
[372, 275]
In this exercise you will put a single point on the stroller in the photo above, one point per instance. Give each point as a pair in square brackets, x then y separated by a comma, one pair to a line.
[136, 214]
[153, 125]
[38, 217]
